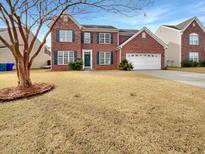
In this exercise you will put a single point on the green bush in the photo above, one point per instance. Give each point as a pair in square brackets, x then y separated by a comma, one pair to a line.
[76, 65]
[202, 63]
[125, 65]
[189, 63]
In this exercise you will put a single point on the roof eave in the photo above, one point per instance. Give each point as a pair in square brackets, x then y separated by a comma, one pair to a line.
[99, 29]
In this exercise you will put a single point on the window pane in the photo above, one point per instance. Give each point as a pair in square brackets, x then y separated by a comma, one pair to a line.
[60, 53]
[101, 58]
[65, 57]
[60, 61]
[60, 57]
[69, 36]
[71, 56]
[194, 39]
[107, 35]
[194, 56]
[87, 38]
[108, 58]
[66, 36]
[107, 41]
[105, 38]
[101, 38]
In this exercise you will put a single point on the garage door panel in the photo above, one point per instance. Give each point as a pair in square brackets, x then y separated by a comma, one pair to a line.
[144, 61]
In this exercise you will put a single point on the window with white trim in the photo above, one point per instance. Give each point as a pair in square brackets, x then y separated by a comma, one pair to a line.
[87, 37]
[194, 56]
[64, 57]
[66, 35]
[105, 38]
[104, 58]
[193, 39]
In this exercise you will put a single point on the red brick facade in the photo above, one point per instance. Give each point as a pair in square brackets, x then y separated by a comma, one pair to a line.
[73, 46]
[147, 45]
[186, 48]
[143, 45]
[79, 47]
[95, 47]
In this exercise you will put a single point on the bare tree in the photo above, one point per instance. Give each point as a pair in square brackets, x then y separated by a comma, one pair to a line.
[23, 17]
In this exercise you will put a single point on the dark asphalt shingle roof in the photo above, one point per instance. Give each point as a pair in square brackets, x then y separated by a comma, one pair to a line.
[181, 25]
[128, 32]
[99, 26]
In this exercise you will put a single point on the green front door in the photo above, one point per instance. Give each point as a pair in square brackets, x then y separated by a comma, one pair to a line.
[87, 59]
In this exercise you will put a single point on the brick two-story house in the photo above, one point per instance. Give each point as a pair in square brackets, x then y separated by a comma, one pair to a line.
[186, 41]
[103, 47]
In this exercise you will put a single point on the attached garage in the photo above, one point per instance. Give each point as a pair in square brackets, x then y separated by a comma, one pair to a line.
[144, 50]
[144, 61]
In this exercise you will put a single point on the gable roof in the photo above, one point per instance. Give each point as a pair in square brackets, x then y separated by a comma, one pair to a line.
[183, 25]
[149, 32]
[127, 32]
[70, 16]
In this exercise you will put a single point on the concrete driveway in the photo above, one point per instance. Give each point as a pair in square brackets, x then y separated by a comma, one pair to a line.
[195, 79]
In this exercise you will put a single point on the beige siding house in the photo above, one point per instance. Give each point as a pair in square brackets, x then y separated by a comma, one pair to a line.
[172, 38]
[179, 39]
[7, 57]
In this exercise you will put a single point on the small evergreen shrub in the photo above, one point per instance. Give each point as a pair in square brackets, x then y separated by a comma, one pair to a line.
[189, 63]
[125, 65]
[76, 65]
[195, 64]
[165, 68]
[202, 63]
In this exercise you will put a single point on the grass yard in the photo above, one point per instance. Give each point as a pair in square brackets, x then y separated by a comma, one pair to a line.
[104, 112]
[188, 69]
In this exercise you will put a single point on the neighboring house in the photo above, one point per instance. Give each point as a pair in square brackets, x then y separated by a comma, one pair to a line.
[186, 41]
[99, 46]
[7, 57]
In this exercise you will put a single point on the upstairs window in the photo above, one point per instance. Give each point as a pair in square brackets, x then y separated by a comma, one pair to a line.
[65, 35]
[105, 38]
[64, 57]
[194, 56]
[193, 39]
[104, 58]
[87, 37]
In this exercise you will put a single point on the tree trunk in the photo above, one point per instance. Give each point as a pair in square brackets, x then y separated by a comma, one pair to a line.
[23, 73]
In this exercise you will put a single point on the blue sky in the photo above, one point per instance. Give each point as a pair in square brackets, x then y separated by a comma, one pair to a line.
[158, 13]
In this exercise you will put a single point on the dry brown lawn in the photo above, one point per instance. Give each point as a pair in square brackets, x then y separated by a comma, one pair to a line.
[188, 69]
[109, 112]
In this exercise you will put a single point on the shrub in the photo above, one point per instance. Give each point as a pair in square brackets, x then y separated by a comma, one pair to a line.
[125, 65]
[165, 68]
[76, 65]
[195, 64]
[202, 63]
[189, 63]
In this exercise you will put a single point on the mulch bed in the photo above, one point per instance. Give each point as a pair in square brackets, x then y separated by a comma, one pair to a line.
[14, 93]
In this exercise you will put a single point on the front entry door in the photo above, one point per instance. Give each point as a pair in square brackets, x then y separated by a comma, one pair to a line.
[87, 59]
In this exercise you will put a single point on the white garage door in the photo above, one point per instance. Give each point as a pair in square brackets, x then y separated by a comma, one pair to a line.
[143, 61]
